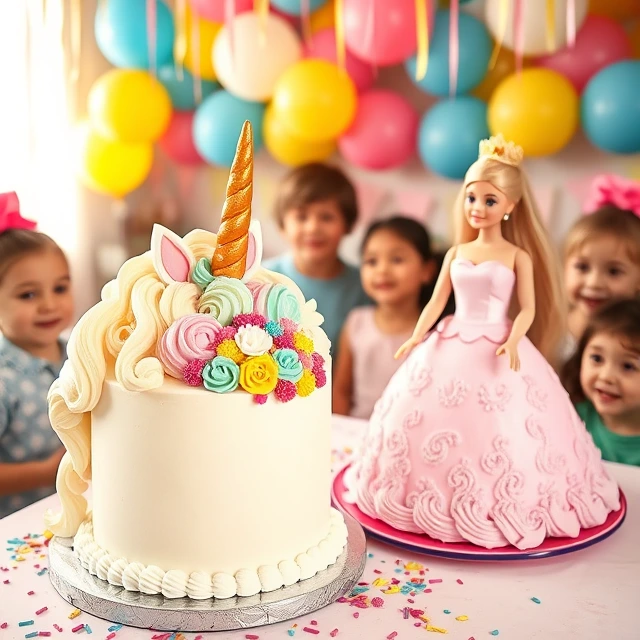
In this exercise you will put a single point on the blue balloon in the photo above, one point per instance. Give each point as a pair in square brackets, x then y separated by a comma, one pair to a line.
[610, 108]
[475, 52]
[121, 33]
[294, 7]
[218, 123]
[449, 135]
[182, 91]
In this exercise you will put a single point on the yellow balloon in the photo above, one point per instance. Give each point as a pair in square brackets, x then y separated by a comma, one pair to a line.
[288, 149]
[538, 109]
[634, 38]
[324, 17]
[109, 166]
[129, 105]
[201, 35]
[505, 65]
[315, 99]
[615, 9]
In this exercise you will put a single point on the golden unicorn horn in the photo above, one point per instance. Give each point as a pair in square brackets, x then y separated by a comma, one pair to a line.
[230, 255]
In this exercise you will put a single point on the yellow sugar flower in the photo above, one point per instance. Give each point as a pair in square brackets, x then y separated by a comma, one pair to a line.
[307, 384]
[303, 343]
[229, 349]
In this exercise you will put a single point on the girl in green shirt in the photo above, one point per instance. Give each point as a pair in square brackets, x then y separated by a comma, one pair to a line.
[603, 380]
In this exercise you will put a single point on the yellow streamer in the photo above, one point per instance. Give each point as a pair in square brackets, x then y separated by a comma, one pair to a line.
[422, 32]
[341, 47]
[180, 43]
[502, 22]
[261, 7]
[75, 33]
[551, 25]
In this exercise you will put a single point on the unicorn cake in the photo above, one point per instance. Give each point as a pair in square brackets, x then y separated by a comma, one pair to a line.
[196, 401]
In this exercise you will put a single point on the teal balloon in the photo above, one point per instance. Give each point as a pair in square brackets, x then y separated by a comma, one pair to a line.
[218, 123]
[610, 108]
[475, 47]
[450, 133]
[121, 33]
[181, 89]
[294, 7]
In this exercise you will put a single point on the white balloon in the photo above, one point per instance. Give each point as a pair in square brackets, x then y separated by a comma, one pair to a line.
[534, 17]
[260, 53]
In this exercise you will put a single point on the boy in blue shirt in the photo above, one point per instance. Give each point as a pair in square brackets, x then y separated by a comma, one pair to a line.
[315, 208]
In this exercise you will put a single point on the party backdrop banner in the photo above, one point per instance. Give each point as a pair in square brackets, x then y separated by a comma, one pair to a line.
[414, 204]
[370, 199]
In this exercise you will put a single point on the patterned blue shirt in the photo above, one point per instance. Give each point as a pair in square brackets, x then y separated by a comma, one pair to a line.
[25, 432]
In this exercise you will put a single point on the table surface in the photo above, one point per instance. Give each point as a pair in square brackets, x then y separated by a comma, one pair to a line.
[588, 595]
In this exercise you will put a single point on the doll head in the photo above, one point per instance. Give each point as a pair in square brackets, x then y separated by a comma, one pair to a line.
[499, 163]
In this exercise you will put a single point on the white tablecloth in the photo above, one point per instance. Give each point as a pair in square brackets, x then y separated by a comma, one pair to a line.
[588, 595]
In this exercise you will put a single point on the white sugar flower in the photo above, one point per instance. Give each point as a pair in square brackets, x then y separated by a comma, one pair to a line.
[253, 341]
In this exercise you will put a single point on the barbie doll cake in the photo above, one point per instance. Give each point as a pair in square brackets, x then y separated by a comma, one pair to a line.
[195, 399]
[475, 439]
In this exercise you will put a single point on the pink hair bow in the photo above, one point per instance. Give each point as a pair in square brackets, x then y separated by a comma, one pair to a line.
[614, 190]
[10, 217]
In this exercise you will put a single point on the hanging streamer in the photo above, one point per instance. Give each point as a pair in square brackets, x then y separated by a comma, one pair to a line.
[341, 47]
[75, 36]
[551, 25]
[422, 33]
[229, 15]
[195, 43]
[370, 31]
[571, 23]
[502, 26]
[262, 9]
[180, 43]
[518, 30]
[454, 46]
[152, 22]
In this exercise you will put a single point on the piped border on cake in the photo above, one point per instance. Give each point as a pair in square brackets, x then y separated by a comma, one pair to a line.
[152, 580]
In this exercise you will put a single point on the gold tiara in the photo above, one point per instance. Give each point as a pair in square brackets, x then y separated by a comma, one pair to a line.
[498, 148]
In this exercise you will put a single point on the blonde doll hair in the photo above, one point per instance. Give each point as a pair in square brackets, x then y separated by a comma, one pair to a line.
[525, 230]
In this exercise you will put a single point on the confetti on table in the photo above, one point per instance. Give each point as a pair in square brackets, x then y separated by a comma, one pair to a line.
[446, 611]
[377, 602]
[291, 632]
[57, 628]
[413, 566]
[334, 633]
[116, 627]
[25, 623]
[111, 636]
[495, 632]
[4, 625]
[44, 634]
[31, 593]
[435, 581]
[77, 628]
[32, 635]
[393, 589]
[392, 635]
[310, 630]
[459, 581]
[536, 600]
[87, 628]
[252, 637]
[74, 614]
[39, 611]
[436, 629]
[314, 622]
[356, 615]
[380, 582]
[462, 618]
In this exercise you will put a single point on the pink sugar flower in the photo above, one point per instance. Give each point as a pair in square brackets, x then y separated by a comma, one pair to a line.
[284, 342]
[305, 358]
[260, 399]
[226, 333]
[192, 373]
[285, 390]
[321, 378]
[318, 360]
[254, 319]
[288, 325]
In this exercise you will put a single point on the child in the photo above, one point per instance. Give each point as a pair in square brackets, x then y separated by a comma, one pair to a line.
[602, 252]
[35, 306]
[398, 271]
[315, 208]
[603, 379]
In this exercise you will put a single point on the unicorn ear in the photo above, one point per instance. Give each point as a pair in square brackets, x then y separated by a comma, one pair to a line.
[254, 251]
[172, 259]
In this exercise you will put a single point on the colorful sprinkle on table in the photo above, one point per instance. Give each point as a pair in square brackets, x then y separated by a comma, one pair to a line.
[446, 611]
[436, 629]
[115, 627]
[25, 623]
[310, 630]
[462, 618]
[334, 633]
[536, 600]
[77, 628]
[39, 611]
[495, 632]
[252, 637]
[74, 614]
[59, 629]
[435, 581]
[32, 635]
[459, 581]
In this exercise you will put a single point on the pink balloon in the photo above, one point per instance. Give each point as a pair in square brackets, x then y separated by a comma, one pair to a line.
[384, 132]
[214, 10]
[383, 32]
[177, 142]
[323, 45]
[599, 43]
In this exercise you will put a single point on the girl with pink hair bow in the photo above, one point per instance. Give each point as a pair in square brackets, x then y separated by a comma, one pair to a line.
[602, 251]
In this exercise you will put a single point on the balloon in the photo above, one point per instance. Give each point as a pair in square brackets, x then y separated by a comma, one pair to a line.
[504, 66]
[474, 54]
[383, 133]
[260, 54]
[182, 90]
[324, 17]
[634, 37]
[177, 141]
[295, 7]
[214, 10]
[615, 9]
[121, 33]
[109, 166]
[537, 109]
[315, 99]
[611, 108]
[322, 45]
[217, 125]
[129, 105]
[290, 150]
[383, 32]
[201, 34]
[450, 133]
[534, 18]
[600, 42]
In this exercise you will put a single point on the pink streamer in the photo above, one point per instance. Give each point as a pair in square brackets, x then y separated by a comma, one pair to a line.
[370, 32]
[306, 20]
[571, 23]
[518, 28]
[195, 39]
[454, 46]
[152, 19]
[229, 14]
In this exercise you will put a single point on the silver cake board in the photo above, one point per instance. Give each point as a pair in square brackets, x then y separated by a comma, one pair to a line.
[103, 600]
